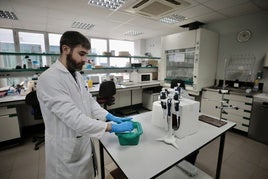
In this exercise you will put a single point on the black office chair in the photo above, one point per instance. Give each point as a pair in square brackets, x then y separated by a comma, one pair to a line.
[106, 93]
[174, 83]
[31, 99]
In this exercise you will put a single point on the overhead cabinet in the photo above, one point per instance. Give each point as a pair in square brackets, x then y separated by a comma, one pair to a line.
[192, 57]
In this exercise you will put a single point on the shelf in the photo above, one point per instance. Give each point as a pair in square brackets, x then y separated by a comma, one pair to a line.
[6, 73]
[90, 55]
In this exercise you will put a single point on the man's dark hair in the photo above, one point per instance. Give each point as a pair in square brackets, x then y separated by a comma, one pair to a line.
[74, 38]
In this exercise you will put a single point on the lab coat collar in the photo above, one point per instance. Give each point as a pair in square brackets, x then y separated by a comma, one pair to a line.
[61, 67]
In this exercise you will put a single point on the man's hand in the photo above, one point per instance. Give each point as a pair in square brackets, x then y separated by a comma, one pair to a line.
[122, 127]
[118, 120]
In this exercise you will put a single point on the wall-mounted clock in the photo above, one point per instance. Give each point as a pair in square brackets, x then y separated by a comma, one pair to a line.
[244, 35]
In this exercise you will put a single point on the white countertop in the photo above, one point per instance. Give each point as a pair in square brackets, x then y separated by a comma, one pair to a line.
[262, 97]
[95, 88]
[12, 98]
[150, 157]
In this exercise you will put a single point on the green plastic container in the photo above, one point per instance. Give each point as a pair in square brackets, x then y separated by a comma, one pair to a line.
[131, 138]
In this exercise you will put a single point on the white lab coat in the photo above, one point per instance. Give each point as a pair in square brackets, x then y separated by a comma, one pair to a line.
[69, 111]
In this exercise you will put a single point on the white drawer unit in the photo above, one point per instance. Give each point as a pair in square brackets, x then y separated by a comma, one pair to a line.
[209, 101]
[136, 96]
[9, 124]
[148, 99]
[241, 116]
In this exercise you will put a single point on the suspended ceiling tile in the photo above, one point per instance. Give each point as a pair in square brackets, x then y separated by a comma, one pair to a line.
[202, 1]
[120, 16]
[198, 10]
[262, 4]
[35, 3]
[222, 4]
[238, 10]
[212, 17]
[6, 23]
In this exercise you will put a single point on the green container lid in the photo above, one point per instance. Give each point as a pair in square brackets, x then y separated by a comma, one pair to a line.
[131, 138]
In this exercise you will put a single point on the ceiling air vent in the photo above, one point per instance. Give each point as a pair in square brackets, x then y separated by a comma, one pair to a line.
[155, 8]
[8, 15]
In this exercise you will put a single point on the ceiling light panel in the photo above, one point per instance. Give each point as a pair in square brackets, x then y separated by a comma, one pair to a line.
[172, 19]
[82, 25]
[110, 4]
[132, 33]
[8, 15]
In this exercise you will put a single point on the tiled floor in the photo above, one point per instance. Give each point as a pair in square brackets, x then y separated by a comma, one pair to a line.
[243, 159]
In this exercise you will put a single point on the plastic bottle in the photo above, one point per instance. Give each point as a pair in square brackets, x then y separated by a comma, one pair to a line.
[89, 82]
[134, 76]
[256, 84]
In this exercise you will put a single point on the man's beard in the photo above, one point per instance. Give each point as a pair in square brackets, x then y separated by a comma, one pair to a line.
[72, 65]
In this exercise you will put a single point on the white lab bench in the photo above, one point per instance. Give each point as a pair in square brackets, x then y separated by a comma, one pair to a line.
[9, 122]
[151, 158]
[127, 95]
[15, 114]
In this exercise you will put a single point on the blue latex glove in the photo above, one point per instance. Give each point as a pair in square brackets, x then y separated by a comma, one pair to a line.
[122, 127]
[118, 120]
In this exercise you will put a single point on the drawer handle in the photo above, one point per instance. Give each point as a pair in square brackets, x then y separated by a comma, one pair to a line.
[245, 125]
[246, 118]
[247, 111]
[12, 115]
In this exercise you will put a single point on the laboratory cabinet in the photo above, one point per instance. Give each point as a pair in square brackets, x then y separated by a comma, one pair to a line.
[192, 57]
[127, 97]
[148, 98]
[9, 123]
[242, 116]
[209, 101]
[136, 96]
[122, 99]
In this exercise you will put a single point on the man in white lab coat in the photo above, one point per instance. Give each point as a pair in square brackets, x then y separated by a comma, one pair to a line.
[70, 113]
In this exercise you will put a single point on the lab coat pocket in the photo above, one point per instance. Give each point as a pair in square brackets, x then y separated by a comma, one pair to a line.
[69, 149]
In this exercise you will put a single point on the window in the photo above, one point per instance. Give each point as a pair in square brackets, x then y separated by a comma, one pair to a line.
[7, 45]
[54, 43]
[98, 46]
[117, 46]
[7, 61]
[33, 43]
[120, 45]
[54, 46]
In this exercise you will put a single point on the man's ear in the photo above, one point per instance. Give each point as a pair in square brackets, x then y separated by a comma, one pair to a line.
[65, 49]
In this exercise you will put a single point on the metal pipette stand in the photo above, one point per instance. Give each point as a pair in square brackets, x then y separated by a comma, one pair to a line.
[166, 104]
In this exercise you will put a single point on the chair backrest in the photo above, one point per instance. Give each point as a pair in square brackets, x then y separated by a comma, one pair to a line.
[32, 100]
[107, 89]
[174, 83]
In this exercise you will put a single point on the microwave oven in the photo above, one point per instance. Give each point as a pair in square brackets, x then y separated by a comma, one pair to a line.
[144, 77]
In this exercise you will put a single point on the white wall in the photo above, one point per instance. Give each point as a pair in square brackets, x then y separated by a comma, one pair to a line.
[228, 44]
[257, 45]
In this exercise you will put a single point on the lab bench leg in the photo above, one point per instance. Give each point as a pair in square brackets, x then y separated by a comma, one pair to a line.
[220, 155]
[102, 161]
